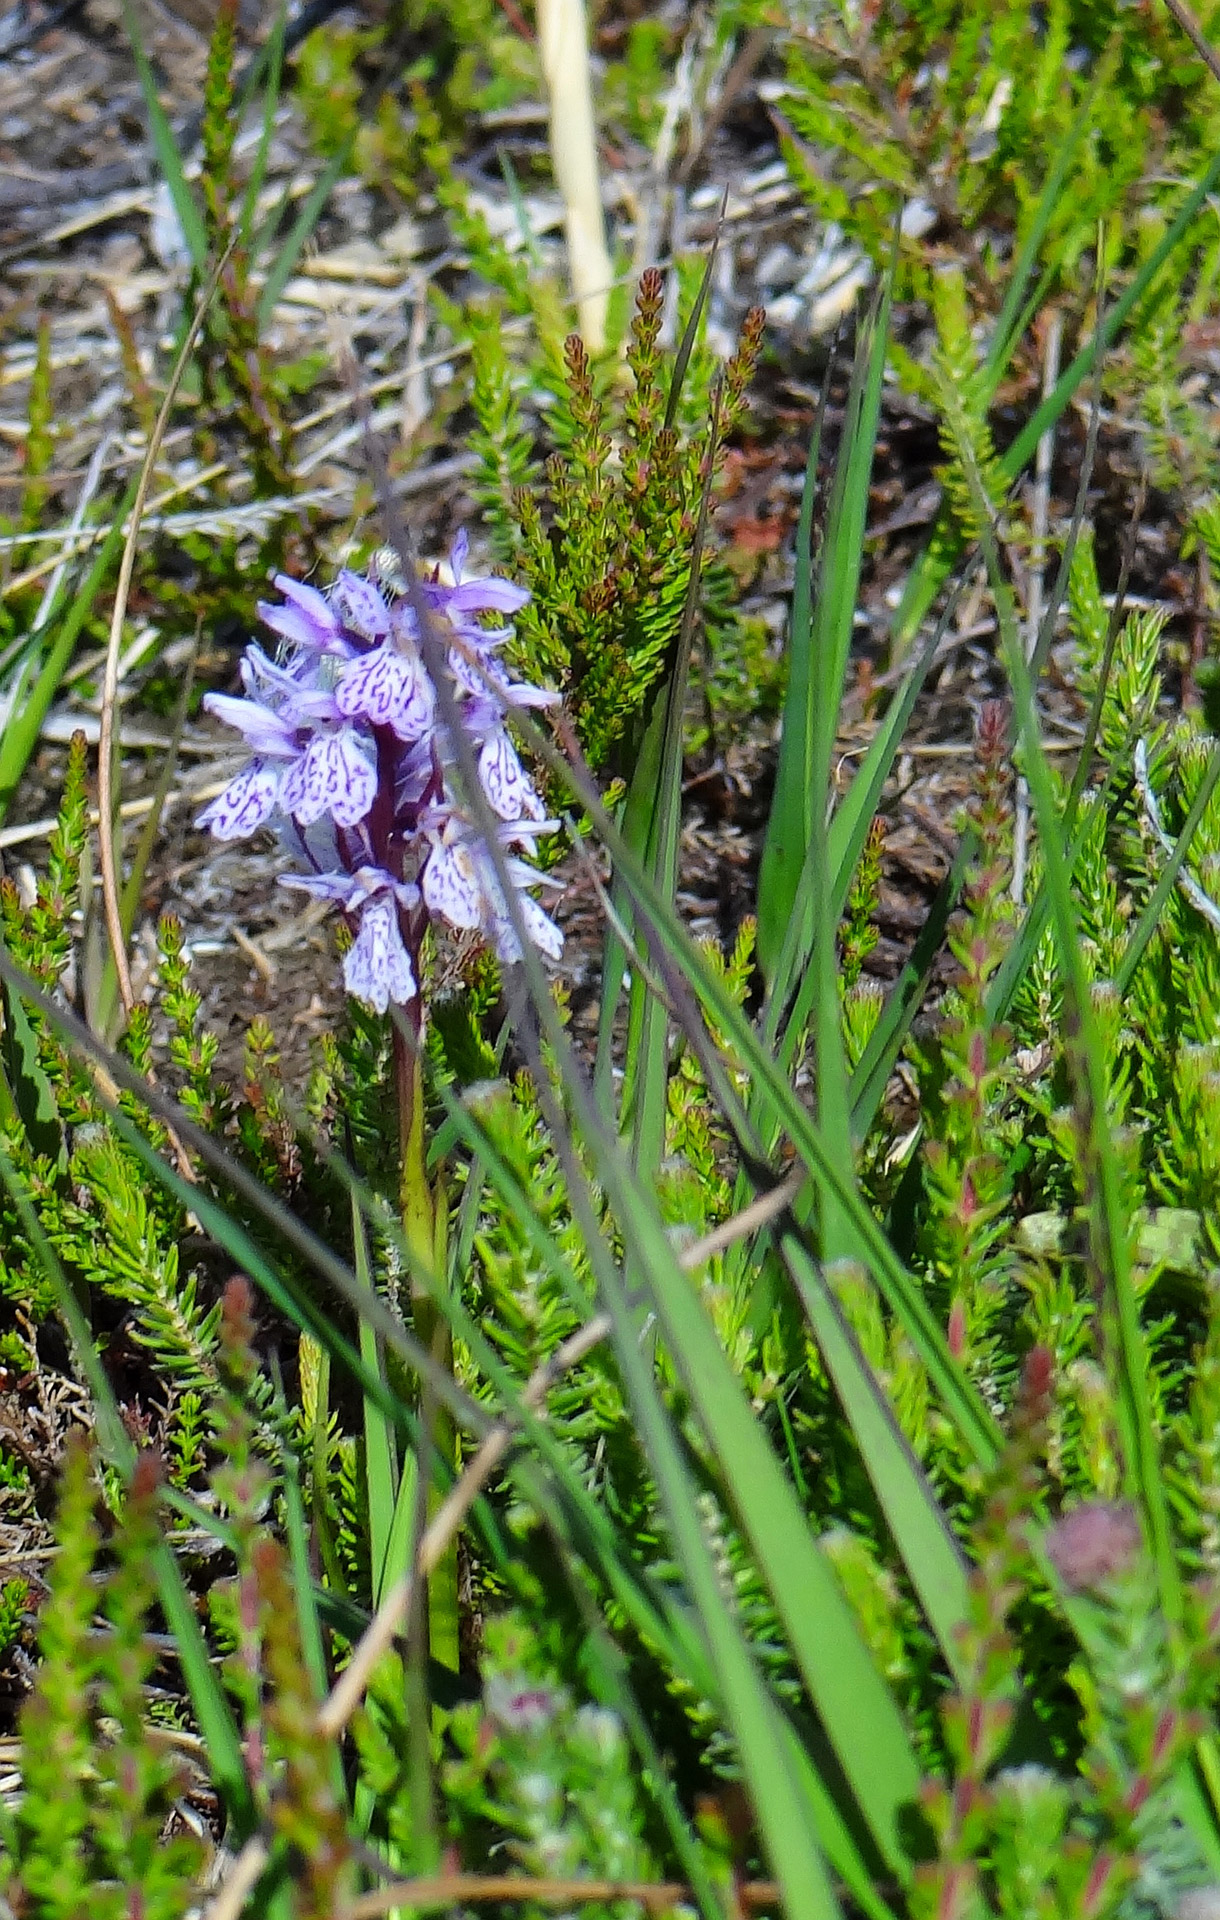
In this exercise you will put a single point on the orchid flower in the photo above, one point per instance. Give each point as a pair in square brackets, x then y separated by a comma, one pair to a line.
[348, 752]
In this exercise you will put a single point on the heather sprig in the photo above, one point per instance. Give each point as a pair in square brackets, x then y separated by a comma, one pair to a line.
[977, 1719]
[966, 1175]
[606, 538]
[90, 1833]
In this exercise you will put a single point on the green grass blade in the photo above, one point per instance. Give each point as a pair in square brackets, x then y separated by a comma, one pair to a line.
[296, 1529]
[21, 732]
[284, 265]
[648, 1028]
[778, 1802]
[637, 810]
[380, 1454]
[1012, 319]
[853, 1703]
[690, 332]
[857, 810]
[29, 1094]
[274, 51]
[871, 1074]
[914, 1516]
[838, 586]
[792, 886]
[788, 824]
[190, 219]
[1149, 919]
[848, 829]
[102, 1002]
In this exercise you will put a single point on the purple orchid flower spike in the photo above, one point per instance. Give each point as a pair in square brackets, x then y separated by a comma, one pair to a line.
[349, 759]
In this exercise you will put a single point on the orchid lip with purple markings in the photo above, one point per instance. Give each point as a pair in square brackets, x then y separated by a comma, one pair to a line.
[348, 753]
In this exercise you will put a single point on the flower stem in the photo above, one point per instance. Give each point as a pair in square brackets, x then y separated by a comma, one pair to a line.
[424, 1221]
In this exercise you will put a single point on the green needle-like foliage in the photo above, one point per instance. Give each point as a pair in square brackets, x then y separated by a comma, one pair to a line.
[606, 546]
[89, 1833]
[966, 1172]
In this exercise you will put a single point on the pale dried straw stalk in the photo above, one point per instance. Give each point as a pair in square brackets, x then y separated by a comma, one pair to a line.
[563, 40]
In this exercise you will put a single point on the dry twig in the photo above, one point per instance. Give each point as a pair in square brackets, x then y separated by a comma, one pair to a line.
[450, 1889]
[110, 682]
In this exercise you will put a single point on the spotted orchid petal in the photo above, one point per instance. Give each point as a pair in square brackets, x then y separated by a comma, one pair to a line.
[481, 641]
[404, 621]
[373, 880]
[354, 890]
[360, 608]
[478, 674]
[325, 886]
[248, 801]
[450, 885]
[266, 680]
[308, 599]
[523, 695]
[332, 776]
[508, 787]
[306, 620]
[487, 596]
[526, 833]
[546, 936]
[541, 929]
[486, 679]
[390, 688]
[265, 731]
[378, 968]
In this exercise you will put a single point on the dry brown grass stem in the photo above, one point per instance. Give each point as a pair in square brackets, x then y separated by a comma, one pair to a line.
[1195, 34]
[348, 1690]
[452, 1889]
[106, 790]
